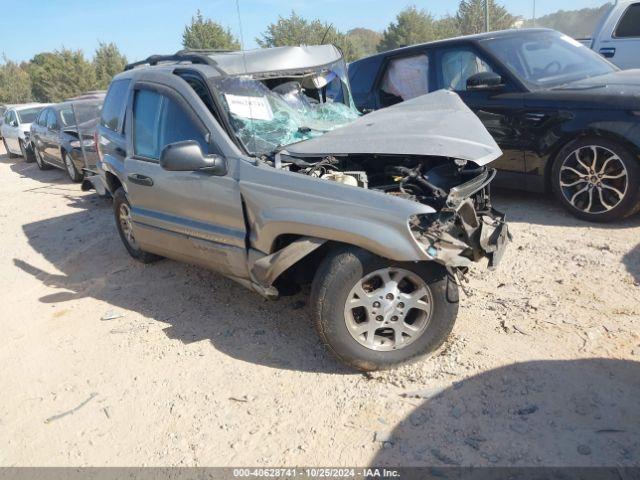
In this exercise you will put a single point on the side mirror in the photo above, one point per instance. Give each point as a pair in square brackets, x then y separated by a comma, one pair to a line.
[186, 156]
[484, 81]
[14, 123]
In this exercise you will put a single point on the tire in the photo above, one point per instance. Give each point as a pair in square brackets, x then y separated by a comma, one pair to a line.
[71, 169]
[337, 280]
[39, 161]
[23, 151]
[597, 180]
[6, 149]
[120, 204]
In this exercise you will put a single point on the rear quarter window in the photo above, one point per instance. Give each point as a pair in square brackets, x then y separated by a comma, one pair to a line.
[114, 104]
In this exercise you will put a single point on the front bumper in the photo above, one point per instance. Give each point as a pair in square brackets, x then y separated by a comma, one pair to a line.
[466, 230]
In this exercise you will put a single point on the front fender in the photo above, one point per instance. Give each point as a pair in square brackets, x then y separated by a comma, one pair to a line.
[279, 203]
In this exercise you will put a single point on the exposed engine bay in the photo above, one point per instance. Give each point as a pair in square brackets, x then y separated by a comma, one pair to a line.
[465, 227]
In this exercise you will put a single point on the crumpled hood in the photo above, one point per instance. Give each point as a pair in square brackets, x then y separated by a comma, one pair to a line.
[437, 124]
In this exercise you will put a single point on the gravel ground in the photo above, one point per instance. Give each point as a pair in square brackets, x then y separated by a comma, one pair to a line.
[541, 369]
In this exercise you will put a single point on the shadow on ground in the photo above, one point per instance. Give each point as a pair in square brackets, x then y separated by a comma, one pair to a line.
[195, 303]
[632, 262]
[551, 413]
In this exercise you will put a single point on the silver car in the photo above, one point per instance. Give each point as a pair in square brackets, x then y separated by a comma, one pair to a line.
[257, 165]
[15, 129]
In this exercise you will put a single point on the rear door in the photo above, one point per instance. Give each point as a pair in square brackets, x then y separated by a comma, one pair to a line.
[500, 111]
[190, 216]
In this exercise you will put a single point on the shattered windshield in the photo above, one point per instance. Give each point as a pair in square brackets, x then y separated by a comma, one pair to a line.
[271, 113]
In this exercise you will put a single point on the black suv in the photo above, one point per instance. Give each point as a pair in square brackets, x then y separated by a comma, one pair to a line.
[566, 119]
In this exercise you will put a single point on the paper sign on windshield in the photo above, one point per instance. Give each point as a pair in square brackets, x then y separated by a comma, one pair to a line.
[256, 108]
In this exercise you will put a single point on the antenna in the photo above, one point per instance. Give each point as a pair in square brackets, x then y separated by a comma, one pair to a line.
[325, 33]
[246, 70]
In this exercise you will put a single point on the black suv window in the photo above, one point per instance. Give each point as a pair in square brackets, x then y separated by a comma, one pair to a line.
[458, 65]
[42, 118]
[629, 25]
[159, 120]
[114, 103]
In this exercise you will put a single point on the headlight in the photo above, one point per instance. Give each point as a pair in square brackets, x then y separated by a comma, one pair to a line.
[85, 143]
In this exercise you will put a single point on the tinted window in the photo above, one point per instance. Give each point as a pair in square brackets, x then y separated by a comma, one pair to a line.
[458, 66]
[114, 103]
[42, 118]
[52, 122]
[146, 118]
[629, 25]
[178, 126]
[28, 115]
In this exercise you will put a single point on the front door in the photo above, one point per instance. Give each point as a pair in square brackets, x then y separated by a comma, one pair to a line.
[190, 216]
[500, 111]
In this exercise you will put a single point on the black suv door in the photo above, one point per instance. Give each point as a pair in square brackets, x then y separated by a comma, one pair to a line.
[500, 111]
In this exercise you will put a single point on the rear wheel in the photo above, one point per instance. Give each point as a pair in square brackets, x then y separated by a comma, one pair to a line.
[597, 180]
[72, 171]
[373, 313]
[124, 224]
[39, 161]
[6, 149]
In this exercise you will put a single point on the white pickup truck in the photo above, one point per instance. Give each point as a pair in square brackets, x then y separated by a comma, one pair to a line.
[617, 35]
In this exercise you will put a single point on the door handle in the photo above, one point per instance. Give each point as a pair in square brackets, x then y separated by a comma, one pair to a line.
[140, 179]
[608, 52]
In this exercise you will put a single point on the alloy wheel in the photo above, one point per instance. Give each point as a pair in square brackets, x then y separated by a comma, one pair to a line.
[126, 224]
[388, 309]
[69, 164]
[593, 179]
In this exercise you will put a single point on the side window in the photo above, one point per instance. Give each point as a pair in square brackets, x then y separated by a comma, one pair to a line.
[12, 117]
[405, 78]
[146, 123]
[52, 123]
[629, 25]
[41, 118]
[177, 125]
[458, 66]
[114, 104]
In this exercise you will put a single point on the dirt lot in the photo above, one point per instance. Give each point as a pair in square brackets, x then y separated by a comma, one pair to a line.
[542, 367]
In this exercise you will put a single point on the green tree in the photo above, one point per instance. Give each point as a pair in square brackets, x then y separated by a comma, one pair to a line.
[411, 26]
[206, 34]
[62, 74]
[107, 62]
[15, 84]
[446, 27]
[364, 41]
[471, 18]
[296, 30]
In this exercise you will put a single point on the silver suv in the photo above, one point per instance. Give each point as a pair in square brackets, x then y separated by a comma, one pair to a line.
[257, 165]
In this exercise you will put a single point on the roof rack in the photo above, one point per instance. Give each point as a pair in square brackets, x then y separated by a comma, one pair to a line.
[181, 56]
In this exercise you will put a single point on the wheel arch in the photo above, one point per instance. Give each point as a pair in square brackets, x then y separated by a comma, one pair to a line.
[575, 136]
[113, 182]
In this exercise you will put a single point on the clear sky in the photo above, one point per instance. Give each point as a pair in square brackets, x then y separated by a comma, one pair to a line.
[144, 27]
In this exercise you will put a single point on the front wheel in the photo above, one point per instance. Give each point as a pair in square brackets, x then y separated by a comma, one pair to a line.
[124, 224]
[373, 313]
[597, 180]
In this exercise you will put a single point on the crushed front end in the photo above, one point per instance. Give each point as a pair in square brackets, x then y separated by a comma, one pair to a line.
[467, 228]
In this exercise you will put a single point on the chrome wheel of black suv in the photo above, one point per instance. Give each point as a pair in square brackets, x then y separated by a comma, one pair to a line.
[597, 180]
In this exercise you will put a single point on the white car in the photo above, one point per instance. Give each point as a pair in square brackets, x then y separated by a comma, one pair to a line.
[16, 124]
[617, 36]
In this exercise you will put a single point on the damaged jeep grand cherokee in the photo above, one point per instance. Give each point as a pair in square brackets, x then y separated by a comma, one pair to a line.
[257, 165]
